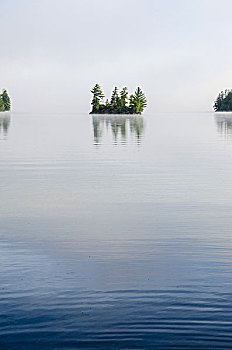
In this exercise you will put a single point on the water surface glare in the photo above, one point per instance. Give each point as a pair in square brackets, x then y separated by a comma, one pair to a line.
[116, 231]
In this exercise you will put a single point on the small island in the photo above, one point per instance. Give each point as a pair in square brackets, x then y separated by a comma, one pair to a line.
[5, 103]
[119, 102]
[223, 102]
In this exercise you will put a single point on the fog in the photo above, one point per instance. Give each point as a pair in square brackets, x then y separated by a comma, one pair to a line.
[54, 51]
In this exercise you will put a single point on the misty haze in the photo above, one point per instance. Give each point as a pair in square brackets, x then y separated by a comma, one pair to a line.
[115, 226]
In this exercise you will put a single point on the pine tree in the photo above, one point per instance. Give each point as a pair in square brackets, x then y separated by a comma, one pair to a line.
[123, 101]
[223, 101]
[97, 98]
[6, 100]
[137, 102]
[114, 97]
[218, 102]
[2, 107]
[124, 96]
[119, 102]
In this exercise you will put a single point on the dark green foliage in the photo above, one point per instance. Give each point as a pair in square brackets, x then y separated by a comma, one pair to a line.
[137, 102]
[223, 102]
[124, 96]
[2, 107]
[114, 97]
[4, 101]
[97, 98]
[123, 101]
[118, 103]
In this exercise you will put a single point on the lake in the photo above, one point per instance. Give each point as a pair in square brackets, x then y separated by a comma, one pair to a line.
[116, 231]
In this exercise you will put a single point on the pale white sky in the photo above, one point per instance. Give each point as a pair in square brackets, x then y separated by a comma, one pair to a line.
[53, 51]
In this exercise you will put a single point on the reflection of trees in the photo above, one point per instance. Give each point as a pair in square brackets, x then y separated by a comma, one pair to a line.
[4, 126]
[137, 126]
[97, 130]
[121, 127]
[224, 124]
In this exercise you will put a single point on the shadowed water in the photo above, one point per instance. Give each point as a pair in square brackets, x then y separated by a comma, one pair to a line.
[115, 231]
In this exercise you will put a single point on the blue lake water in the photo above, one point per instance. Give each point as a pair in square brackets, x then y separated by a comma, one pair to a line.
[116, 232]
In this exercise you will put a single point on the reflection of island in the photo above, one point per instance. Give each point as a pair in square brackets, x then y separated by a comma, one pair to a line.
[4, 126]
[224, 124]
[121, 127]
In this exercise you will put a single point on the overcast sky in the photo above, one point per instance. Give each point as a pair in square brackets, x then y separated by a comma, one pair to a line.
[53, 51]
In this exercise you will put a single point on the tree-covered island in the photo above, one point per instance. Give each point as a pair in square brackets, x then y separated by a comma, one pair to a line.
[5, 103]
[223, 102]
[119, 103]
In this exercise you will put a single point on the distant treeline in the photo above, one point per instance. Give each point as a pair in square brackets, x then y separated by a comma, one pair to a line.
[4, 101]
[223, 102]
[119, 102]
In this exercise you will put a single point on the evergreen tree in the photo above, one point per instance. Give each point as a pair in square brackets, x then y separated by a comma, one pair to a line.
[124, 96]
[137, 102]
[223, 102]
[115, 102]
[6, 100]
[114, 97]
[118, 103]
[218, 103]
[97, 98]
[123, 101]
[2, 107]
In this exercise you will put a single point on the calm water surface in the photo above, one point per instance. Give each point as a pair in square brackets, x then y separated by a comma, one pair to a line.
[115, 232]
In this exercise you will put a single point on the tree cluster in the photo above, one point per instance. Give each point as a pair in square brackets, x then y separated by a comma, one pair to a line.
[119, 102]
[4, 101]
[223, 102]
